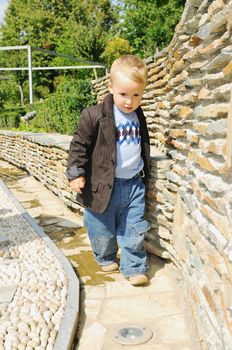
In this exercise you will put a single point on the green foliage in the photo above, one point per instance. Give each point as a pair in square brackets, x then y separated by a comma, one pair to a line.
[61, 110]
[86, 31]
[10, 118]
[10, 112]
[37, 23]
[9, 93]
[149, 24]
[114, 49]
[2, 98]
[76, 28]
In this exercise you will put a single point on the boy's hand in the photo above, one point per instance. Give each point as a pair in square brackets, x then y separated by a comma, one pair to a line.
[77, 184]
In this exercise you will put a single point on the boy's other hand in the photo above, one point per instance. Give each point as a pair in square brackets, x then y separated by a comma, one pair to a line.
[77, 184]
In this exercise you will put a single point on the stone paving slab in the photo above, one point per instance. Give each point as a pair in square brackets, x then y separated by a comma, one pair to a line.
[158, 306]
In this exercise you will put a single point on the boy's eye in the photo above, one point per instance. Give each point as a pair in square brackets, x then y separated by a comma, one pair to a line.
[136, 95]
[122, 94]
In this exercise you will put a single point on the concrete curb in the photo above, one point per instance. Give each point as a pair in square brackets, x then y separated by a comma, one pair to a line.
[68, 325]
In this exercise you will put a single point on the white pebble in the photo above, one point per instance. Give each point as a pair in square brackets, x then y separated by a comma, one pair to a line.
[25, 309]
[23, 327]
[15, 320]
[51, 325]
[47, 316]
[37, 316]
[29, 348]
[21, 346]
[49, 346]
[24, 339]
[33, 343]
[42, 308]
[25, 317]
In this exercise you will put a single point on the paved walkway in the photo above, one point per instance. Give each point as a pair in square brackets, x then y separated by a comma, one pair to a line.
[107, 300]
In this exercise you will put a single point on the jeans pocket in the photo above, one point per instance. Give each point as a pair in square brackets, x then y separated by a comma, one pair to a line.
[140, 227]
[136, 233]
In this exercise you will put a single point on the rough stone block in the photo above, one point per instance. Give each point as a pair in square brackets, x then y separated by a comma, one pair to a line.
[217, 146]
[220, 221]
[217, 110]
[228, 69]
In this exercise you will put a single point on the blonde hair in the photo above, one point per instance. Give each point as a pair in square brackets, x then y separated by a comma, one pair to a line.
[133, 66]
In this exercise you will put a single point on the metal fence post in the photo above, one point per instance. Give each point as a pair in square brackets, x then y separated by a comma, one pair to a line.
[30, 74]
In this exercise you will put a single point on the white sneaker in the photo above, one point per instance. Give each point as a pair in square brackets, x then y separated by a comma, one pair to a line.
[110, 267]
[138, 280]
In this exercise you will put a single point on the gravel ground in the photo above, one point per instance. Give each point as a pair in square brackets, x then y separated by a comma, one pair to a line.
[33, 286]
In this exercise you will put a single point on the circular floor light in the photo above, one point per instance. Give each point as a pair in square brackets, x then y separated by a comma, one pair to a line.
[131, 334]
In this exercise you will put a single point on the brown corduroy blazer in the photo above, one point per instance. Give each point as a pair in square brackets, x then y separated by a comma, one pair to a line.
[93, 153]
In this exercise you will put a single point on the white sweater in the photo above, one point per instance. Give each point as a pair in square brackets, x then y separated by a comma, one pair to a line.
[128, 144]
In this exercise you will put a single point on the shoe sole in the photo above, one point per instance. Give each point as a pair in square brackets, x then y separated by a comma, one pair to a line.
[108, 268]
[138, 281]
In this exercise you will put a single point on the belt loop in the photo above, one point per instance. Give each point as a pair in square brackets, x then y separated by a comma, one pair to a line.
[142, 173]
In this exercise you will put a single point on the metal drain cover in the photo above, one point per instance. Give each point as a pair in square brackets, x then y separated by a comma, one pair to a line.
[131, 334]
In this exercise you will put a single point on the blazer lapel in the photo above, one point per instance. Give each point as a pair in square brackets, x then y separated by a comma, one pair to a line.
[107, 122]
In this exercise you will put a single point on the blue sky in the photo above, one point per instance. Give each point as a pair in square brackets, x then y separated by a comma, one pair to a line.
[3, 6]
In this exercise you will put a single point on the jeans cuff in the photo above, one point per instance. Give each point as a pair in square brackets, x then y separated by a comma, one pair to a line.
[134, 272]
[104, 262]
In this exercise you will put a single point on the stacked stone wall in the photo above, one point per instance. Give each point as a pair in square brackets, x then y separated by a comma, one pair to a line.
[44, 156]
[188, 106]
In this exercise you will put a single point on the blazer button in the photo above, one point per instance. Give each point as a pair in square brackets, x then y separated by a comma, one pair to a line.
[110, 186]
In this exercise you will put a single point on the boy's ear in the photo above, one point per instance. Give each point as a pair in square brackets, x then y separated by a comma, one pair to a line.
[110, 88]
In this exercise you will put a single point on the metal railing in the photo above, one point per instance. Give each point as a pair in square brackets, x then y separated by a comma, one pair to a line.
[30, 68]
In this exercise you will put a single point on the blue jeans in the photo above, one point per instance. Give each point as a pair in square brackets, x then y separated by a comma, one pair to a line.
[123, 224]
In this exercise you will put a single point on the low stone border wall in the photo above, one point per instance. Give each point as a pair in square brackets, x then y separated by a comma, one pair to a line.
[44, 308]
[44, 156]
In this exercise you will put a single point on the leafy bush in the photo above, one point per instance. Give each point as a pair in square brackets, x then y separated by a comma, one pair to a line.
[61, 110]
[116, 48]
[10, 118]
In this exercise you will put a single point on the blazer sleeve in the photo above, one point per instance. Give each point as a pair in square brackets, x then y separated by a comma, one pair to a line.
[80, 146]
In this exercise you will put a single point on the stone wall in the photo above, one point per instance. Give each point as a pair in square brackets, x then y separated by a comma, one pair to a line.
[44, 156]
[188, 106]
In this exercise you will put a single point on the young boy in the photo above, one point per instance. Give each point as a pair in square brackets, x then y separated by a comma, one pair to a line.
[108, 167]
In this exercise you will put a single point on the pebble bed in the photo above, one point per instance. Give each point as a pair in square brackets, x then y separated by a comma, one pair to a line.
[32, 318]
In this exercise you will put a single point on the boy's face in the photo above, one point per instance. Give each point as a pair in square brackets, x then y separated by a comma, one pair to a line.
[126, 92]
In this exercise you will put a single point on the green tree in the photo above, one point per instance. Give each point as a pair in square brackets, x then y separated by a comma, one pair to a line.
[37, 23]
[149, 24]
[114, 49]
[2, 98]
[87, 30]
[61, 110]
[73, 27]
